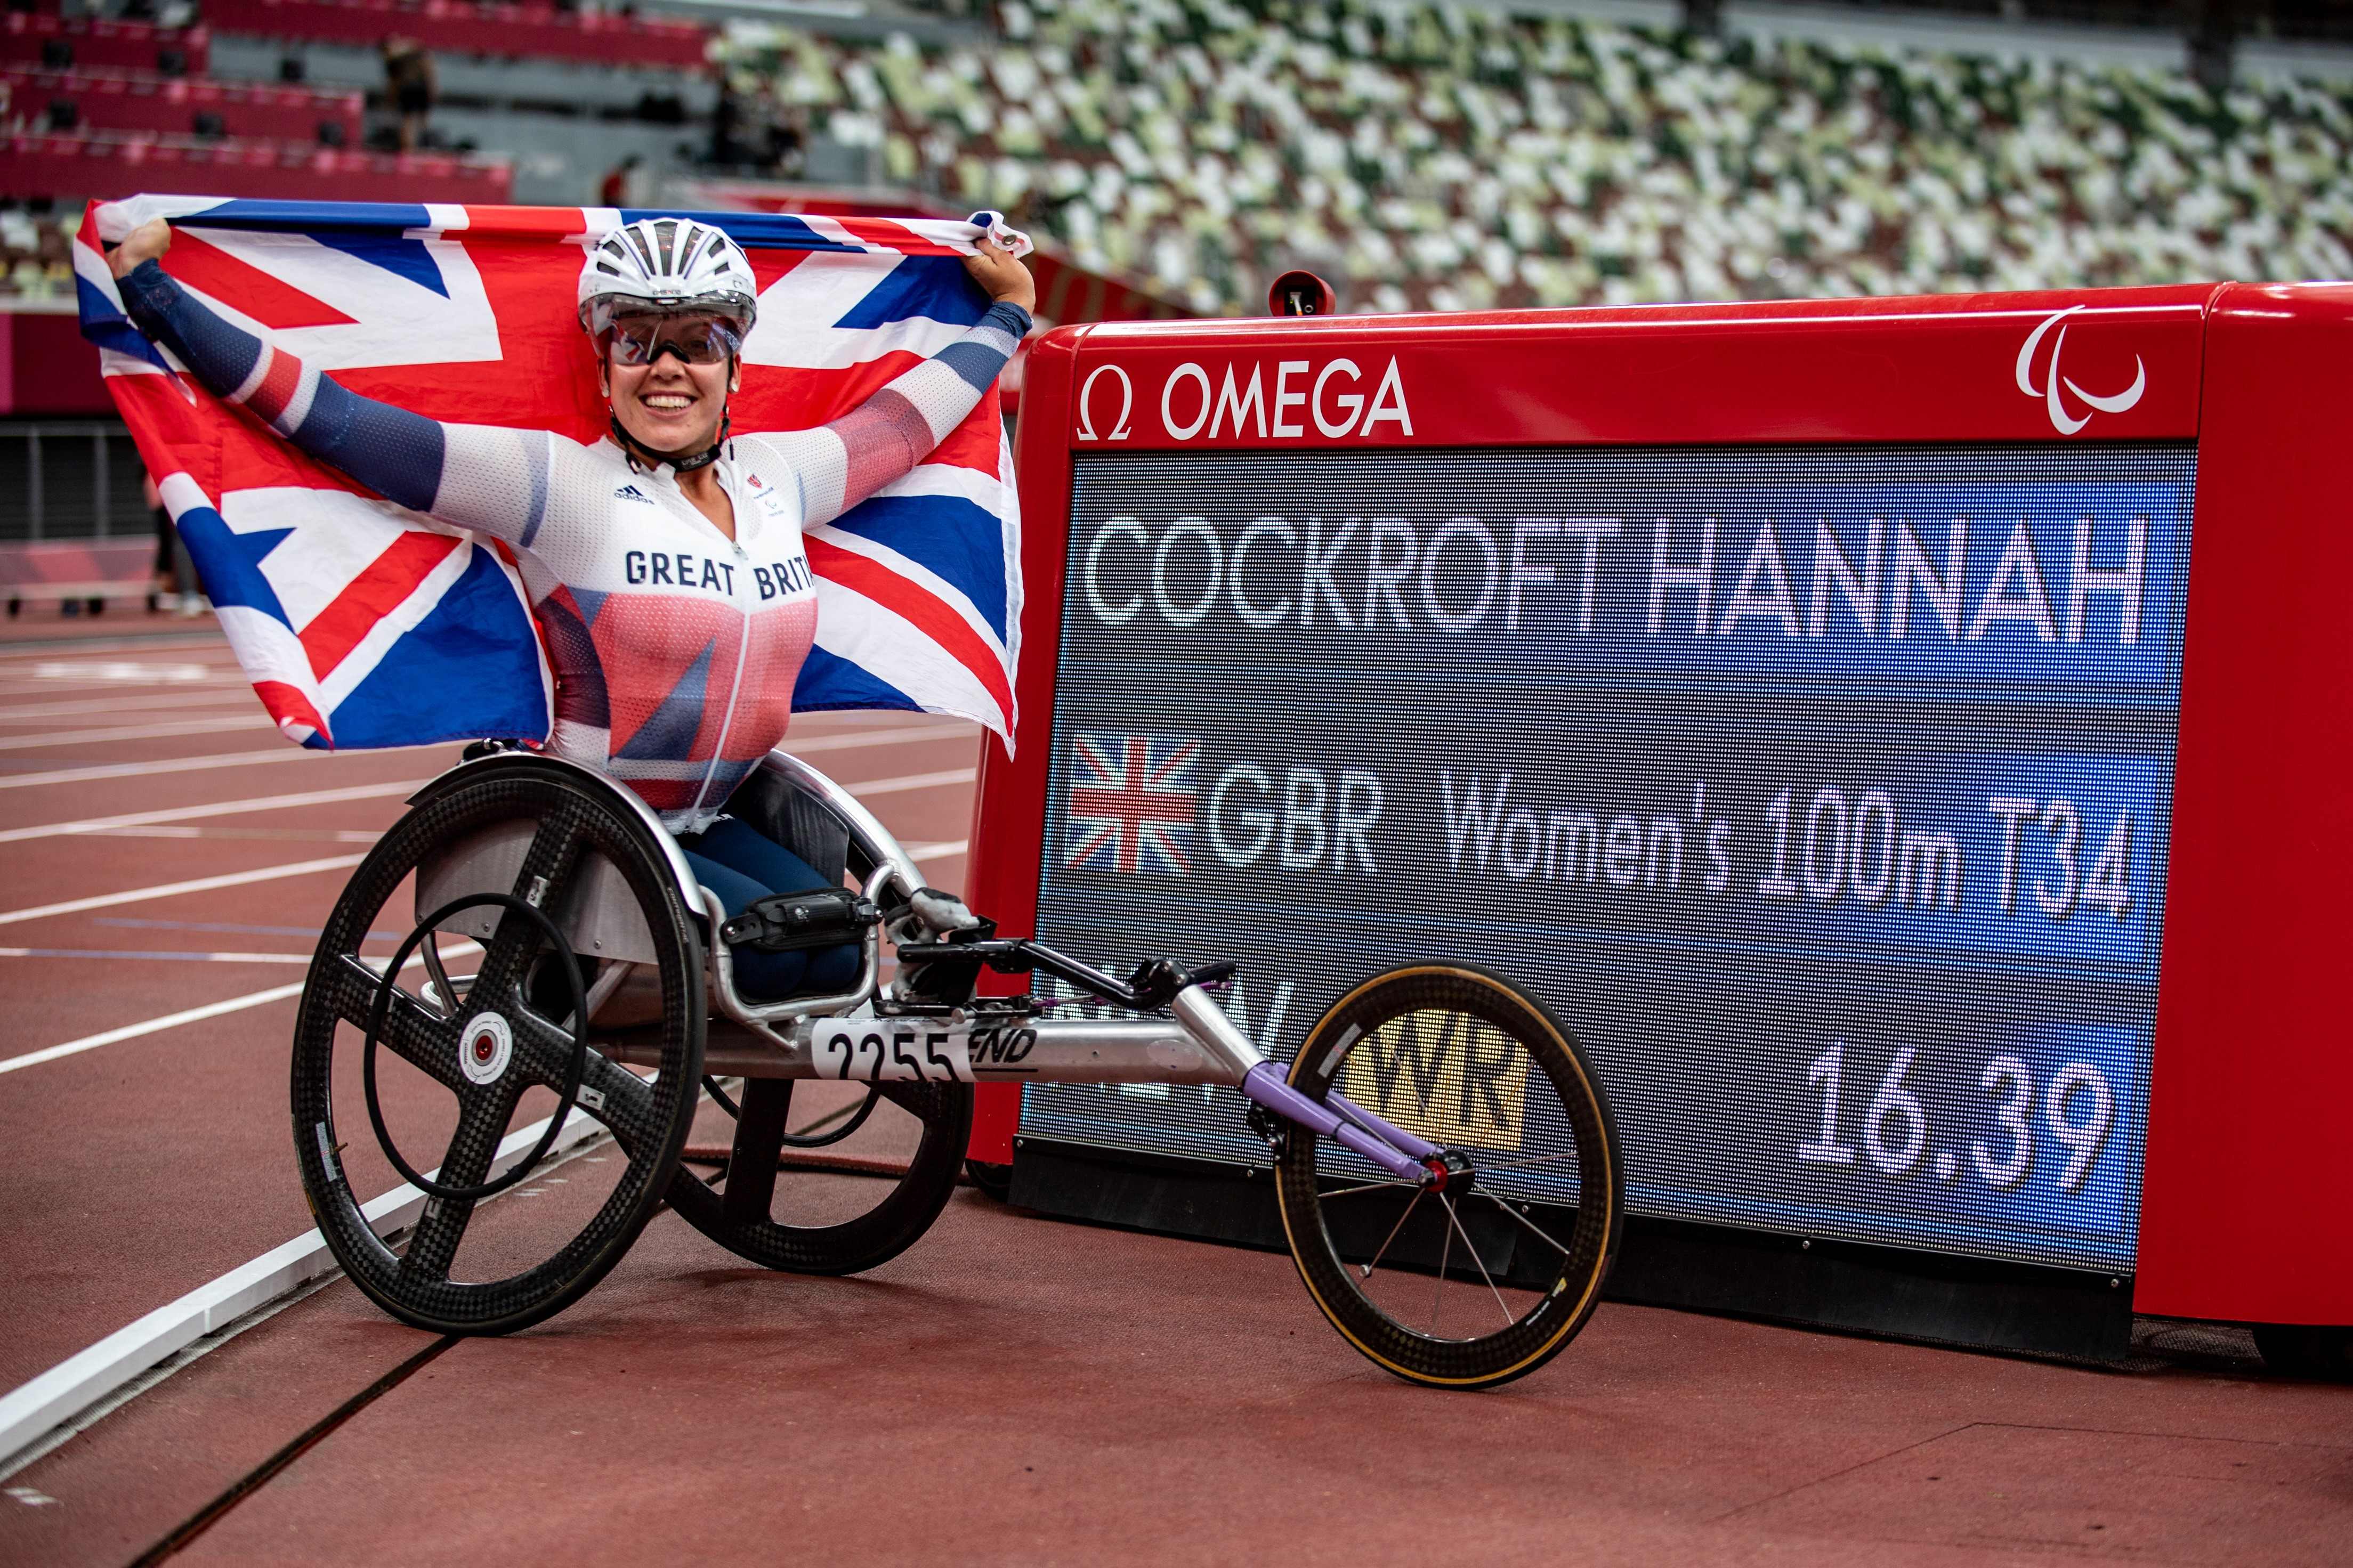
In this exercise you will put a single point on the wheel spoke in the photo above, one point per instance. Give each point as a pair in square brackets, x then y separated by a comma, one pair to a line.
[542, 1050]
[1366, 1187]
[1480, 1263]
[411, 1030]
[1524, 1220]
[1366, 1273]
[482, 1118]
[1487, 1169]
[759, 1137]
[629, 1108]
[547, 869]
[1438, 1298]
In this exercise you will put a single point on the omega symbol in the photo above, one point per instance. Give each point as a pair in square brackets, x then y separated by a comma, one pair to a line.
[2067, 424]
[1119, 430]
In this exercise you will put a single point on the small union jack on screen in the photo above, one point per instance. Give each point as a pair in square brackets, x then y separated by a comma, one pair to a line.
[1132, 801]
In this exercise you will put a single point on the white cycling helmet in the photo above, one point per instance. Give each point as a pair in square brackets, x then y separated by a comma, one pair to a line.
[667, 264]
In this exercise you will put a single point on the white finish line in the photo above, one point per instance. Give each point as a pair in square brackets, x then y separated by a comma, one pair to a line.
[80, 1381]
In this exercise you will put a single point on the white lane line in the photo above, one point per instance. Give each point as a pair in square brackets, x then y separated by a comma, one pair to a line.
[153, 1025]
[296, 753]
[373, 792]
[249, 835]
[217, 808]
[909, 782]
[80, 1381]
[132, 953]
[115, 670]
[174, 1020]
[137, 732]
[165, 765]
[853, 740]
[946, 849]
[25, 712]
[168, 889]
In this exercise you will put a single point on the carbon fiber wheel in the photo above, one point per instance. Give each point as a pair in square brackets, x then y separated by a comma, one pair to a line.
[474, 1065]
[1487, 1279]
[790, 1195]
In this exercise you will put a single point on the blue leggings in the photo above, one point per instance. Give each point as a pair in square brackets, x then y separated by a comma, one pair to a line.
[741, 865]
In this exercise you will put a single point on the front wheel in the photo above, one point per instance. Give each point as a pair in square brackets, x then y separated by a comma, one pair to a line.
[1481, 1282]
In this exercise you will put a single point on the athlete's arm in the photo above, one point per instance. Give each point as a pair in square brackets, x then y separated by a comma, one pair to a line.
[883, 439]
[481, 477]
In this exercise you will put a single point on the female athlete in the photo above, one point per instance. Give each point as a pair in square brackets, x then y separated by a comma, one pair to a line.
[664, 563]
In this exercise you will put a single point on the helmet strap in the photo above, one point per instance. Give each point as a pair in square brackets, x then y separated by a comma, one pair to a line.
[641, 456]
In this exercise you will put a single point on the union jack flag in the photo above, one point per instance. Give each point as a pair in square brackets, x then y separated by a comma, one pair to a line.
[1131, 800]
[363, 624]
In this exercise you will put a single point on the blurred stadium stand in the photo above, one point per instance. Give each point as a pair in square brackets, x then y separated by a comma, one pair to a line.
[1183, 151]
[1470, 158]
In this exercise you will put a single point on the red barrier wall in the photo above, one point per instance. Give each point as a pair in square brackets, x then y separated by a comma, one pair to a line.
[47, 367]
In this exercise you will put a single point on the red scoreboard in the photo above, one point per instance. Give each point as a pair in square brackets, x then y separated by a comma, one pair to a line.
[1906, 739]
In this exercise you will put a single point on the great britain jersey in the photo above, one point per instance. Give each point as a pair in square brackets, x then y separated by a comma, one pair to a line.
[674, 648]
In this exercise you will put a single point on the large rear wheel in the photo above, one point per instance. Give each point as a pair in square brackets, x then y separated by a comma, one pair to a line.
[474, 1070]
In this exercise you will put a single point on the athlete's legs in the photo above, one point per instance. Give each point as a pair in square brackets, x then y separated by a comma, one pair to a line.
[741, 866]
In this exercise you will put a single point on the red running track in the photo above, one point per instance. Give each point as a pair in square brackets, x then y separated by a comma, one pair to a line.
[1010, 1390]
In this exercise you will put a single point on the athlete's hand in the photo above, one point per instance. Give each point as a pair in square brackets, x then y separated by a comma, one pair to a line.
[1000, 272]
[149, 241]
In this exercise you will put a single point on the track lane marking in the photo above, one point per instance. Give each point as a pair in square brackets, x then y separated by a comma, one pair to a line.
[25, 712]
[217, 808]
[82, 1380]
[191, 1016]
[847, 742]
[369, 792]
[166, 765]
[132, 953]
[136, 731]
[171, 890]
[153, 1025]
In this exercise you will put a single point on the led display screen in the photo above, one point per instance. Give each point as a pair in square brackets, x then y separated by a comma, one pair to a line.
[1823, 792]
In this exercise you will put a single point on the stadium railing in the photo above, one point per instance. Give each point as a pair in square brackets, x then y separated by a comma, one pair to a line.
[33, 40]
[459, 27]
[70, 165]
[111, 100]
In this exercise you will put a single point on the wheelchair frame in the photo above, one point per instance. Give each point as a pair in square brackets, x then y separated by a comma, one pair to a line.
[551, 866]
[1195, 1045]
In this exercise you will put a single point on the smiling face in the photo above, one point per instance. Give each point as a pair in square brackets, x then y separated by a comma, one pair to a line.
[670, 406]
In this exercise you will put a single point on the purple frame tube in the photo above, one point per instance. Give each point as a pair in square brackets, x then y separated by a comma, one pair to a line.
[1263, 1085]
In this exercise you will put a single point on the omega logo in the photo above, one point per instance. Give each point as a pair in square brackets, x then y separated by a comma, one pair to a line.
[1119, 430]
[1276, 400]
[2066, 423]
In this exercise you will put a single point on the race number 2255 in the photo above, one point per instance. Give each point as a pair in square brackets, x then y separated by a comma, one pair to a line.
[870, 1050]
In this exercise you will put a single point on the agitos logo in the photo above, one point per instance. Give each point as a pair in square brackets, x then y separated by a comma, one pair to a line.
[2052, 379]
[1444, 1075]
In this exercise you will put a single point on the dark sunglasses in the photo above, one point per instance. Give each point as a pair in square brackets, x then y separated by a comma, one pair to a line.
[695, 339]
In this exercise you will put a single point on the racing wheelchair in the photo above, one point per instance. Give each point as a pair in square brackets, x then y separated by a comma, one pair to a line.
[568, 984]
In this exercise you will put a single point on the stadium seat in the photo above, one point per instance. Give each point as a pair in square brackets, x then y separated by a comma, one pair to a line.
[464, 27]
[69, 165]
[131, 101]
[1464, 160]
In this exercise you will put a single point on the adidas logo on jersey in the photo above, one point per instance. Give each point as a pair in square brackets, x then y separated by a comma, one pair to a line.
[631, 492]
